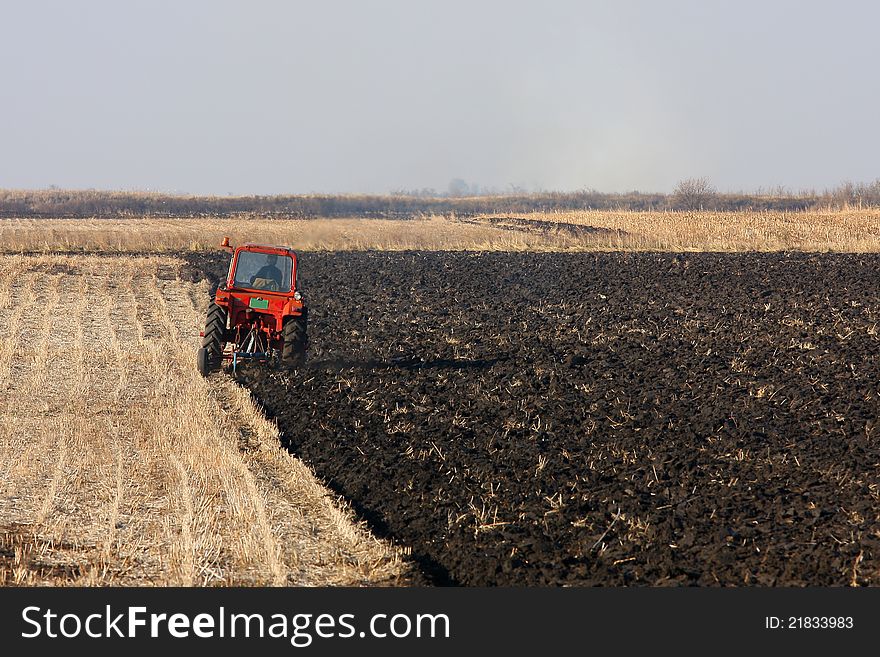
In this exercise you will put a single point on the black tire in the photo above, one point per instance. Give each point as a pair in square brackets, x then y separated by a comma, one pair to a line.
[214, 340]
[293, 353]
[202, 361]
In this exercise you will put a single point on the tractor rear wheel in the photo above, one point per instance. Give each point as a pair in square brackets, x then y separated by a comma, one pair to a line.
[293, 354]
[211, 354]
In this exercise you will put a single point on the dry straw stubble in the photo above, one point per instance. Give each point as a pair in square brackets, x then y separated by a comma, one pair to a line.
[121, 465]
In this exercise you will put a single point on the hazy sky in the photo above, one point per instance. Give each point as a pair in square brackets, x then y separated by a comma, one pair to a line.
[264, 97]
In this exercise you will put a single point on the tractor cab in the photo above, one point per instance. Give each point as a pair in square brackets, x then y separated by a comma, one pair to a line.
[258, 267]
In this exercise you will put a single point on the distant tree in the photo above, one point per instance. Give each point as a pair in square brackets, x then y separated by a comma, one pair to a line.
[694, 194]
[872, 193]
[849, 194]
[458, 187]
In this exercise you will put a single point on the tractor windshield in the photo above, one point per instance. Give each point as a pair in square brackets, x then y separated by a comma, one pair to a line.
[263, 271]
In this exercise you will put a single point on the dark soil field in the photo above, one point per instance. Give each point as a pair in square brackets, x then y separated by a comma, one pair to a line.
[596, 419]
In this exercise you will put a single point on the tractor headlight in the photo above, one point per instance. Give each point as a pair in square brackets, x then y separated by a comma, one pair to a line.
[297, 296]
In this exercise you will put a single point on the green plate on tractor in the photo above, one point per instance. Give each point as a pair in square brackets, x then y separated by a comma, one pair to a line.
[262, 304]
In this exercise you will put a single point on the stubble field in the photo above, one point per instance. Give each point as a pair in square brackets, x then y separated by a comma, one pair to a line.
[120, 465]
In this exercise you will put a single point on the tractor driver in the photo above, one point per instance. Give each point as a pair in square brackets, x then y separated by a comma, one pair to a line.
[269, 270]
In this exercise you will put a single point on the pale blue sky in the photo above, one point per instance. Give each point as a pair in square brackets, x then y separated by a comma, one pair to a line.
[265, 97]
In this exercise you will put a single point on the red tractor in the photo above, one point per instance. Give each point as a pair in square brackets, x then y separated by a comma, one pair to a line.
[257, 313]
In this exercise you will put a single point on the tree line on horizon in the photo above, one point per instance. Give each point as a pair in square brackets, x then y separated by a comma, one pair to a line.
[689, 195]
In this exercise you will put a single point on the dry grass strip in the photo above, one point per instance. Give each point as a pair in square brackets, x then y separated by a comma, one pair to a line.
[850, 231]
[853, 230]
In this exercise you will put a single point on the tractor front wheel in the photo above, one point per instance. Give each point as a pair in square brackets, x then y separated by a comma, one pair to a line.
[203, 361]
[210, 356]
[293, 354]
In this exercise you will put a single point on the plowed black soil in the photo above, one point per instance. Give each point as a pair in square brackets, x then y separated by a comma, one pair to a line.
[539, 226]
[597, 419]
